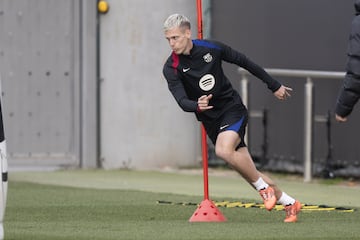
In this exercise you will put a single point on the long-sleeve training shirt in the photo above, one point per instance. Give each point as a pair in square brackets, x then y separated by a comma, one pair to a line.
[201, 73]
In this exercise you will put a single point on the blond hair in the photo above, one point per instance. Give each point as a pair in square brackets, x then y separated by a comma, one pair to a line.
[176, 20]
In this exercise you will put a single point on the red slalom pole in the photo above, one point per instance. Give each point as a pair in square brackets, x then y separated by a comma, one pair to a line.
[199, 18]
[204, 150]
[206, 211]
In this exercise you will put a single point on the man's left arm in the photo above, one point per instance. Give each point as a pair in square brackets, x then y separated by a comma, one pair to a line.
[229, 55]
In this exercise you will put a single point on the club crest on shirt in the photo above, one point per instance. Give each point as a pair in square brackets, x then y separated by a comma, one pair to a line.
[207, 57]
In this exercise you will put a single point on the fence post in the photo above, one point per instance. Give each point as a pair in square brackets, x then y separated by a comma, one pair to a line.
[308, 129]
[244, 86]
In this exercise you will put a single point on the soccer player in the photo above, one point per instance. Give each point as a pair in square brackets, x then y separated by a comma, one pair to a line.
[196, 80]
[350, 91]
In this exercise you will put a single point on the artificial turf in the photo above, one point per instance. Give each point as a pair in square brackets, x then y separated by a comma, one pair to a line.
[40, 211]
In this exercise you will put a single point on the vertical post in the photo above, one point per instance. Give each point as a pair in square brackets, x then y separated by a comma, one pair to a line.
[3, 170]
[264, 147]
[204, 149]
[199, 19]
[207, 211]
[244, 83]
[244, 86]
[328, 171]
[308, 129]
[89, 85]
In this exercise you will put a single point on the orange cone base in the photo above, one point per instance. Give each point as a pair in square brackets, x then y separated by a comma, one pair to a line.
[207, 212]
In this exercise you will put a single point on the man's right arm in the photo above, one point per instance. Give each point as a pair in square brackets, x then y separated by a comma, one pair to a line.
[349, 95]
[177, 90]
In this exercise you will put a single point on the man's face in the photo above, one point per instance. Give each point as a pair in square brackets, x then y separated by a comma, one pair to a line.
[179, 39]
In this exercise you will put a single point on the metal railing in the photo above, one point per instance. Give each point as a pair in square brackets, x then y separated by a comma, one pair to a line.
[308, 103]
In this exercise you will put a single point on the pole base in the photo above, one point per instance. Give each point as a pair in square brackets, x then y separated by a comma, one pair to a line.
[207, 212]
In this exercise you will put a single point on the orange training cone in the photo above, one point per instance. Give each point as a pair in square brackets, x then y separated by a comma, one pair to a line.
[207, 212]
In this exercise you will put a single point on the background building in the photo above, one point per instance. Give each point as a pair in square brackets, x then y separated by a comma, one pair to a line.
[306, 35]
[83, 89]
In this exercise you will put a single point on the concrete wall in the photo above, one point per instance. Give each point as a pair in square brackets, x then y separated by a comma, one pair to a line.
[48, 70]
[141, 124]
[39, 80]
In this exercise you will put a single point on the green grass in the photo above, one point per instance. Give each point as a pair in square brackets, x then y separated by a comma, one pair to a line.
[51, 212]
[221, 184]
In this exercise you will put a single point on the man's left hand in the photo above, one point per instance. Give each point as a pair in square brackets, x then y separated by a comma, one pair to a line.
[283, 92]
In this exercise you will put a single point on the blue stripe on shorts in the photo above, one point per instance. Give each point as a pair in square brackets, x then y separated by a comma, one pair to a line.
[236, 126]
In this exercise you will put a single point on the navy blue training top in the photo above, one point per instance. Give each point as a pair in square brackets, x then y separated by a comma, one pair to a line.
[201, 73]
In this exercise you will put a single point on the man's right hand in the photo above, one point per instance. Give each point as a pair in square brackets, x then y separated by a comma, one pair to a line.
[203, 102]
[340, 119]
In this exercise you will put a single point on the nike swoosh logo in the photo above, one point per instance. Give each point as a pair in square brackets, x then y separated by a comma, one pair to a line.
[186, 69]
[225, 126]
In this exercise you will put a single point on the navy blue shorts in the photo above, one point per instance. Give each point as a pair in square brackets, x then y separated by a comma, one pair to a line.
[234, 119]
